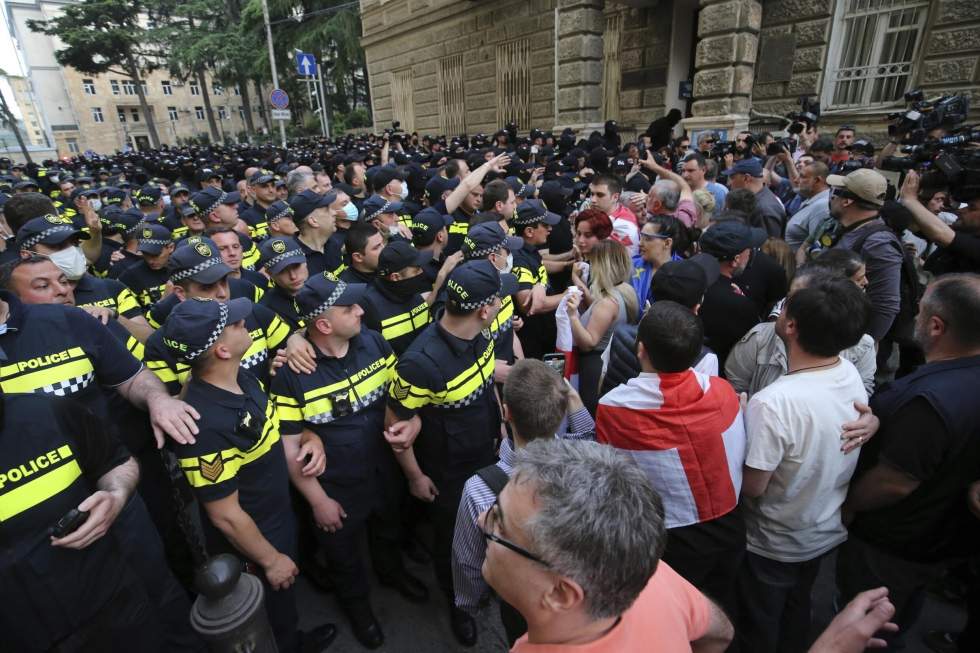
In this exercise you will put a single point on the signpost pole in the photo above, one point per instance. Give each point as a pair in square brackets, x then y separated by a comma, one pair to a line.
[323, 101]
[272, 63]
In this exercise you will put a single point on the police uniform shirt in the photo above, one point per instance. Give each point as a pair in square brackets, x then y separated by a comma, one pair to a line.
[268, 333]
[284, 305]
[457, 232]
[257, 279]
[318, 262]
[61, 350]
[116, 268]
[334, 251]
[238, 448]
[398, 320]
[254, 217]
[107, 293]
[446, 381]
[49, 592]
[343, 402]
[101, 266]
[250, 252]
[529, 268]
[350, 275]
[431, 269]
[147, 284]
[170, 219]
[502, 331]
[157, 315]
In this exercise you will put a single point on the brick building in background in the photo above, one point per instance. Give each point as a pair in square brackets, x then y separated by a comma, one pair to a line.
[453, 66]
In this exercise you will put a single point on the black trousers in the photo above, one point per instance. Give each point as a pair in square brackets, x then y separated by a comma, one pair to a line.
[774, 604]
[128, 622]
[862, 566]
[442, 514]
[280, 606]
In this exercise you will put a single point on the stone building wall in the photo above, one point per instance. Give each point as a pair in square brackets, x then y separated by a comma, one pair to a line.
[645, 46]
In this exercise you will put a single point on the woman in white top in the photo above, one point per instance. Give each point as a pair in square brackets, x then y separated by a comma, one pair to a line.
[611, 300]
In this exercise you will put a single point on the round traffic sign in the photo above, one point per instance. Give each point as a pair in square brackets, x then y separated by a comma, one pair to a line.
[279, 98]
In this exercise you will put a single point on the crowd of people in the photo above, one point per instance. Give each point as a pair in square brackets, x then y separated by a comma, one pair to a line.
[637, 393]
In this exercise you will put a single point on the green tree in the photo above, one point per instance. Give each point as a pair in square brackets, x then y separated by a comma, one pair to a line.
[105, 36]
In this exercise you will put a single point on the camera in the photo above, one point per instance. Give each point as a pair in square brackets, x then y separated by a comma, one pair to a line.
[776, 147]
[923, 116]
[805, 118]
[720, 149]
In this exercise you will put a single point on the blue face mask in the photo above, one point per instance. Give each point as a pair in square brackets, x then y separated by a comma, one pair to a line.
[351, 211]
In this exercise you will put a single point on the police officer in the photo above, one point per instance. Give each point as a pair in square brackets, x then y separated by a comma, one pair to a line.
[119, 242]
[362, 247]
[279, 217]
[393, 304]
[230, 248]
[317, 223]
[489, 241]
[442, 385]
[237, 466]
[387, 216]
[343, 402]
[71, 590]
[430, 233]
[197, 272]
[533, 223]
[191, 222]
[220, 209]
[284, 262]
[148, 278]
[149, 200]
[262, 185]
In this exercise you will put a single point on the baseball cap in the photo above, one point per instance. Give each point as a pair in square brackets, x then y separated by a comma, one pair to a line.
[322, 291]
[277, 253]
[47, 229]
[426, 224]
[438, 185]
[277, 211]
[866, 184]
[152, 238]
[376, 205]
[862, 146]
[521, 190]
[261, 177]
[84, 192]
[198, 261]
[27, 183]
[308, 201]
[532, 212]
[726, 239]
[194, 325]
[683, 282]
[113, 195]
[148, 194]
[187, 210]
[487, 237]
[207, 174]
[178, 187]
[208, 199]
[750, 166]
[115, 220]
[475, 283]
[398, 255]
[385, 175]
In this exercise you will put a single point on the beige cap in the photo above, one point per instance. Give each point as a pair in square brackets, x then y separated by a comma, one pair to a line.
[867, 184]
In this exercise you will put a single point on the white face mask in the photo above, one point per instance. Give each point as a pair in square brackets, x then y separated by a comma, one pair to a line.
[166, 200]
[95, 204]
[393, 230]
[71, 261]
[404, 192]
[351, 210]
[509, 266]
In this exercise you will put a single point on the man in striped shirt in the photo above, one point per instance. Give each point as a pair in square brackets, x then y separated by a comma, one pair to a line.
[536, 402]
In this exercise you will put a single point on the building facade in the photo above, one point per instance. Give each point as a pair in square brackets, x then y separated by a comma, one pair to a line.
[80, 112]
[449, 66]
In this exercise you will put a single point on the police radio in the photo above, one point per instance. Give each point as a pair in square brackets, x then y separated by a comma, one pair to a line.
[68, 524]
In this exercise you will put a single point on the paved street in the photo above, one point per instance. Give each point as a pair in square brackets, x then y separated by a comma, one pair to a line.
[425, 628]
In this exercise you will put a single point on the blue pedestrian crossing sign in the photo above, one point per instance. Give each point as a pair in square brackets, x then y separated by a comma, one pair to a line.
[305, 64]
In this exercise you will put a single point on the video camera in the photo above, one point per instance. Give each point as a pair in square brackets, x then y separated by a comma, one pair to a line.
[952, 160]
[394, 133]
[806, 117]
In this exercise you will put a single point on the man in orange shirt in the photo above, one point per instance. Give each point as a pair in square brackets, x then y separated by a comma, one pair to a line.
[574, 542]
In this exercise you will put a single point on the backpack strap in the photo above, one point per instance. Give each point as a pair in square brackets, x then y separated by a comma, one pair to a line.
[494, 477]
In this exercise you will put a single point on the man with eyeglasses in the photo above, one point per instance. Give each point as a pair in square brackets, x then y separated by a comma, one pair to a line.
[577, 576]
[536, 404]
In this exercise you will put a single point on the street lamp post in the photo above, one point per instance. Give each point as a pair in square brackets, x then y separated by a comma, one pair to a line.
[272, 64]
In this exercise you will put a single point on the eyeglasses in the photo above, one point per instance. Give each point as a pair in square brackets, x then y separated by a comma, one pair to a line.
[646, 236]
[488, 527]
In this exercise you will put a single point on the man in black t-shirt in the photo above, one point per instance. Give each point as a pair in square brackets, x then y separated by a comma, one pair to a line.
[908, 495]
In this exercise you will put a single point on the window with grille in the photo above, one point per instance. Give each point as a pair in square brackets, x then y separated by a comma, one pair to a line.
[88, 86]
[167, 88]
[195, 89]
[172, 113]
[402, 104]
[452, 105]
[199, 113]
[876, 46]
[514, 83]
[611, 69]
[97, 114]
